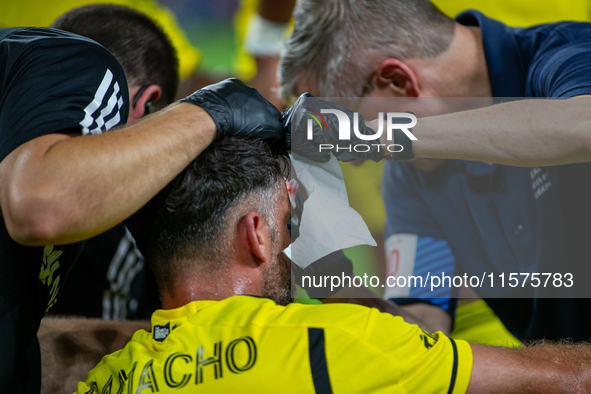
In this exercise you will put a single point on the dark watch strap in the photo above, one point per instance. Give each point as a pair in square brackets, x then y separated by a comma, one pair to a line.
[402, 139]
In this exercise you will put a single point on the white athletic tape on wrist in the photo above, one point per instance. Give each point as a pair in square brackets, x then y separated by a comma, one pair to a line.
[264, 37]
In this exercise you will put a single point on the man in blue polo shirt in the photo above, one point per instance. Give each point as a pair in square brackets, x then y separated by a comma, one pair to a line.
[459, 216]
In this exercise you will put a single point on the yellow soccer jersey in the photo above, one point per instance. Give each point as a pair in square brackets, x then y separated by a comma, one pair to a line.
[251, 345]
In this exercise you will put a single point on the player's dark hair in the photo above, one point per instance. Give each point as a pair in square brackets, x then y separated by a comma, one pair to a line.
[188, 219]
[139, 44]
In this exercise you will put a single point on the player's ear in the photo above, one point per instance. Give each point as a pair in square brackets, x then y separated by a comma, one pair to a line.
[395, 78]
[256, 236]
[142, 101]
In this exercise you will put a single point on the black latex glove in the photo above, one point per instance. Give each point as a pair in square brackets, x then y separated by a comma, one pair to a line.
[295, 122]
[238, 110]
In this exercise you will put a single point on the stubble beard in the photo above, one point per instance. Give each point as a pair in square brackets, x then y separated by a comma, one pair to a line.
[276, 280]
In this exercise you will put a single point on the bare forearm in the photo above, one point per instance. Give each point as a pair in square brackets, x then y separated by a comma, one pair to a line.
[82, 186]
[537, 369]
[521, 133]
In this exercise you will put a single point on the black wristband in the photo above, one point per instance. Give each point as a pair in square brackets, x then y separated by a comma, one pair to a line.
[400, 138]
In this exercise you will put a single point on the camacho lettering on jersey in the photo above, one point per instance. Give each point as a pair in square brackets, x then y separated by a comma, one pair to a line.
[250, 344]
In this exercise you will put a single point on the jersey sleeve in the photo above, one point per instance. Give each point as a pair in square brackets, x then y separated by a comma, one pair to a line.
[396, 357]
[564, 71]
[58, 82]
[429, 362]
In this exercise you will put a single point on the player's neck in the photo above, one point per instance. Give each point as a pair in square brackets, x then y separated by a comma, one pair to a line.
[215, 286]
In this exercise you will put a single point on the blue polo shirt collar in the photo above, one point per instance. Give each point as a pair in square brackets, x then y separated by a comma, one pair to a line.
[502, 54]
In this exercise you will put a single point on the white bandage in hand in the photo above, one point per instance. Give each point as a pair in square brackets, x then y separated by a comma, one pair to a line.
[264, 37]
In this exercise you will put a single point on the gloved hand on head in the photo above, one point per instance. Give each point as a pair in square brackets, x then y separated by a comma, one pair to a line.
[239, 110]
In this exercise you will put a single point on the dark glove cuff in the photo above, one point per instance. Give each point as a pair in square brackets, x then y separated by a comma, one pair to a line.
[402, 139]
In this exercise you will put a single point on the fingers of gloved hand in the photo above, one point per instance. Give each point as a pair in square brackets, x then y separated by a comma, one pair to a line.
[238, 110]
